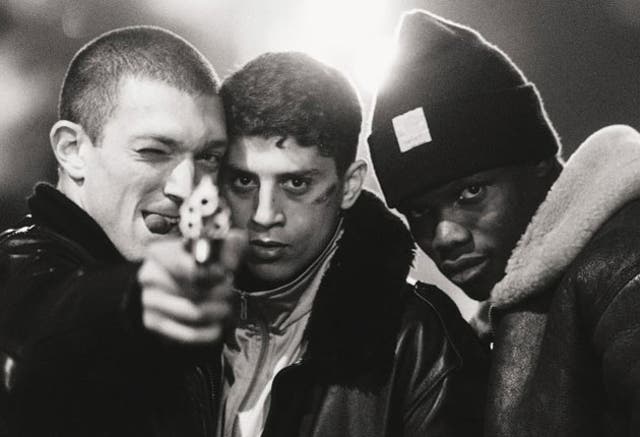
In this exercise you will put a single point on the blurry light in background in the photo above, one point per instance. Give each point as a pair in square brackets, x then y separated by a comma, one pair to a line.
[21, 92]
[73, 21]
[348, 34]
[352, 35]
[372, 63]
[327, 26]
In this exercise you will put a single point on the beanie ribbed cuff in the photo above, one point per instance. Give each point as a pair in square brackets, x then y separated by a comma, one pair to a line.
[490, 130]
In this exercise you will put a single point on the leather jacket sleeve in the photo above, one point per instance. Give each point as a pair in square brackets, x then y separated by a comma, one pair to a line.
[448, 368]
[68, 327]
[57, 310]
[616, 336]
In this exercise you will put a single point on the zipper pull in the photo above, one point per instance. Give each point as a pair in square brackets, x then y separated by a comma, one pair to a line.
[243, 305]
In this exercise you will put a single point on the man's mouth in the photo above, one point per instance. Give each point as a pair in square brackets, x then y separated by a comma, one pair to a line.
[161, 223]
[266, 250]
[464, 269]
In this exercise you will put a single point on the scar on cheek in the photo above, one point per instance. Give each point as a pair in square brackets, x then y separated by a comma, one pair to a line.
[324, 196]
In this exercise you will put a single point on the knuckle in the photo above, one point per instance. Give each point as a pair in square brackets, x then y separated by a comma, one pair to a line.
[149, 320]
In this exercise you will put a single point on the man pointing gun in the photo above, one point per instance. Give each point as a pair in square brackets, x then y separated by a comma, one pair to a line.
[106, 323]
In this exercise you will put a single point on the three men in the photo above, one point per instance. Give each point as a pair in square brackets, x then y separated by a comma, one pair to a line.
[92, 343]
[331, 340]
[463, 148]
[108, 326]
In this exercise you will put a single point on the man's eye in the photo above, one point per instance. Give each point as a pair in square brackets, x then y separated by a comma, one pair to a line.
[296, 185]
[152, 152]
[417, 213]
[471, 192]
[209, 158]
[243, 183]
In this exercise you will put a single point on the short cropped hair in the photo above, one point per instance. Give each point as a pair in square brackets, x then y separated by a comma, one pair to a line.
[90, 88]
[292, 94]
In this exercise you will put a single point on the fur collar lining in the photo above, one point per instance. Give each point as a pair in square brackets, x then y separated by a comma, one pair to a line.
[357, 308]
[599, 178]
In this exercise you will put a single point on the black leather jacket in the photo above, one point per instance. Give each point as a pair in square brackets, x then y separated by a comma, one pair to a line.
[76, 361]
[574, 349]
[383, 358]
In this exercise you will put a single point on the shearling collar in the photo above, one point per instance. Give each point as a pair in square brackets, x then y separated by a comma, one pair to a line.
[357, 308]
[600, 178]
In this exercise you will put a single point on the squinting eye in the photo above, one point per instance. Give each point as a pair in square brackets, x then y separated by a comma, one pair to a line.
[209, 158]
[150, 151]
[471, 192]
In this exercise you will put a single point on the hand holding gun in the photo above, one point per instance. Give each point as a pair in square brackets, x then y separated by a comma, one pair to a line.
[187, 285]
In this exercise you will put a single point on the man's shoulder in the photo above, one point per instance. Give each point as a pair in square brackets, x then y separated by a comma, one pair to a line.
[29, 239]
[611, 259]
[615, 246]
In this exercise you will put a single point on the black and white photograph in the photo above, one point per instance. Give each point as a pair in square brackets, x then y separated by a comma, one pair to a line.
[319, 218]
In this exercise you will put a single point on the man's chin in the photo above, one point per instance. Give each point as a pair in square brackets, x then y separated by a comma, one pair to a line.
[477, 288]
[131, 251]
[263, 276]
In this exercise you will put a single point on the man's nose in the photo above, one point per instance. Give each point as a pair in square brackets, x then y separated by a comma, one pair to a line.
[180, 182]
[450, 239]
[267, 211]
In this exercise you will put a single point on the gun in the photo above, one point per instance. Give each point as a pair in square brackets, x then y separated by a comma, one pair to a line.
[205, 220]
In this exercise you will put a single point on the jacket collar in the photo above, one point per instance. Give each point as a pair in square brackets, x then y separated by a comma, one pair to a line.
[599, 179]
[357, 308]
[54, 210]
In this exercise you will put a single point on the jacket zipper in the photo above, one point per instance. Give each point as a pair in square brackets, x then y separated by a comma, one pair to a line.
[243, 304]
[264, 346]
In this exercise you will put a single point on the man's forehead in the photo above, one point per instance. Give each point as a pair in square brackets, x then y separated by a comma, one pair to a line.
[456, 185]
[153, 109]
[275, 154]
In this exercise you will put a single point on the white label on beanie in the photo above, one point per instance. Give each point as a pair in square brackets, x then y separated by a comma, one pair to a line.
[411, 129]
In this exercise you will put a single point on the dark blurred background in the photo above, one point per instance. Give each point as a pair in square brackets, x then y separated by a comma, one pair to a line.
[584, 55]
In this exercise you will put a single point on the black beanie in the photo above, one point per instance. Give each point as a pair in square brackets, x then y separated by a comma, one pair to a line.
[452, 105]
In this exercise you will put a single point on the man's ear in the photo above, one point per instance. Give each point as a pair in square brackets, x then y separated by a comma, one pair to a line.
[353, 181]
[67, 139]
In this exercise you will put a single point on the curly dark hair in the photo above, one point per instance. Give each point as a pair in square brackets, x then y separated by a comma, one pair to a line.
[292, 94]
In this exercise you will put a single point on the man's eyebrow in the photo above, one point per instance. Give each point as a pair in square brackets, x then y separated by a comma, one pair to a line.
[301, 174]
[216, 144]
[235, 169]
[212, 145]
[172, 143]
[167, 141]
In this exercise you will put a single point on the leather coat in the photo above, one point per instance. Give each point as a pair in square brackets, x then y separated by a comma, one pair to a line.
[567, 361]
[383, 359]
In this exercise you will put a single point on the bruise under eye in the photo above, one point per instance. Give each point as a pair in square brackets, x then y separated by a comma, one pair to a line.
[326, 194]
